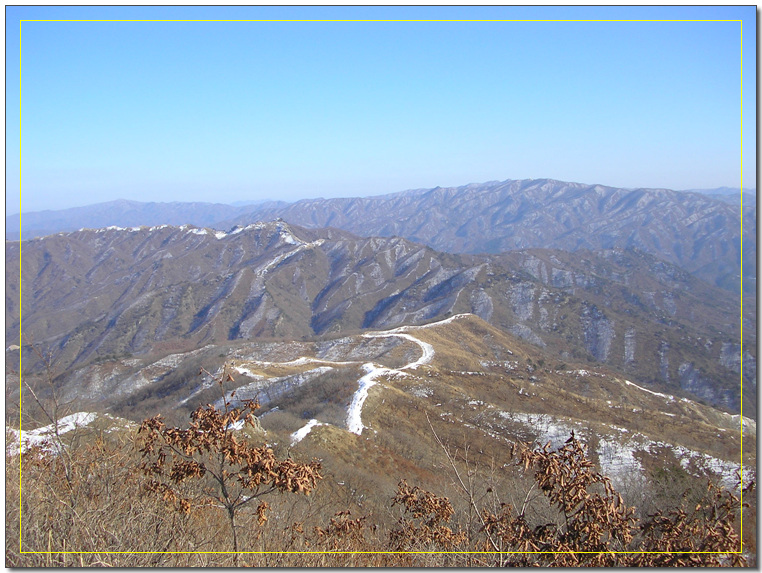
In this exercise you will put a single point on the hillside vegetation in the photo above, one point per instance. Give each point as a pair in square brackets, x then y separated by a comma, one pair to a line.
[417, 432]
[163, 498]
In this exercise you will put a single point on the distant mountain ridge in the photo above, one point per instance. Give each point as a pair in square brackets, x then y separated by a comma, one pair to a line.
[732, 195]
[694, 231]
[699, 232]
[124, 213]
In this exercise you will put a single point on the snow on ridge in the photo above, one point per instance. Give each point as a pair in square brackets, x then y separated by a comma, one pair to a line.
[302, 432]
[206, 231]
[249, 227]
[283, 230]
[43, 436]
[426, 355]
[280, 258]
[133, 229]
[109, 228]
[668, 397]
[247, 372]
[288, 237]
[448, 320]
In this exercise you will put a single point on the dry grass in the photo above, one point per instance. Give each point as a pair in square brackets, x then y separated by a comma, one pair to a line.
[437, 429]
[102, 515]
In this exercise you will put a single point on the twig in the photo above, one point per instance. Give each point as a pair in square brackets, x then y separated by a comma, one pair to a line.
[463, 486]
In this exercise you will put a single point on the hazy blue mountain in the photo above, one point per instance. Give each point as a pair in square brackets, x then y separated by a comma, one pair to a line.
[123, 213]
[732, 195]
[700, 232]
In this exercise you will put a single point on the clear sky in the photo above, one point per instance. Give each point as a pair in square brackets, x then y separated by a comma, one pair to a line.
[230, 111]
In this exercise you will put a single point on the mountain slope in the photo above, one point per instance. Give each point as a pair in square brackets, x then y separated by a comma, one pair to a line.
[94, 295]
[378, 397]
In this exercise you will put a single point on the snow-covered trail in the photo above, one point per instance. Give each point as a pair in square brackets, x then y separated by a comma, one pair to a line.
[354, 419]
[373, 371]
[426, 348]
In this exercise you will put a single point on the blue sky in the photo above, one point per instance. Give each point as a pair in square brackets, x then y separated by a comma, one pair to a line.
[230, 111]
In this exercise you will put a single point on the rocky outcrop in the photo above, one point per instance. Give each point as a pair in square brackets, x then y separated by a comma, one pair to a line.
[598, 332]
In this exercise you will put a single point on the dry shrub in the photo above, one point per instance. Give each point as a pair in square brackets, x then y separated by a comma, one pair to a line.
[92, 506]
[423, 526]
[597, 529]
[343, 533]
[705, 536]
[231, 473]
[93, 500]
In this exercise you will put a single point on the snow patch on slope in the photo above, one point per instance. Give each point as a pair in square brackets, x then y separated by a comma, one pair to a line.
[668, 397]
[301, 361]
[617, 454]
[302, 432]
[267, 390]
[44, 436]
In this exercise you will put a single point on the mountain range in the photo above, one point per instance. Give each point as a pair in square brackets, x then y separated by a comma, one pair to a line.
[700, 232]
[114, 293]
[124, 213]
